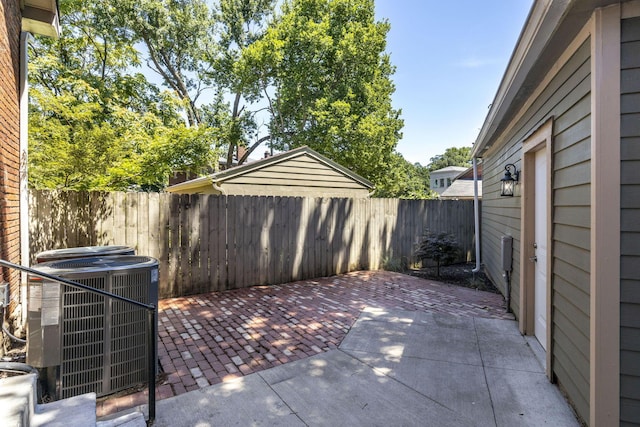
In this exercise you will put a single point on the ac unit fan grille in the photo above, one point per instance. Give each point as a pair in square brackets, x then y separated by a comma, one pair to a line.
[104, 341]
[83, 331]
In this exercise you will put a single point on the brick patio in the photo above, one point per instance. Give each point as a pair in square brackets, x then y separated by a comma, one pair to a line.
[210, 338]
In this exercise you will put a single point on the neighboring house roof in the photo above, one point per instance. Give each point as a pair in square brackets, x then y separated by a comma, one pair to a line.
[299, 172]
[462, 185]
[468, 174]
[461, 189]
[449, 169]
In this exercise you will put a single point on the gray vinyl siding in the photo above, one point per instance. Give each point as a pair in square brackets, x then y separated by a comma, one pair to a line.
[567, 99]
[630, 224]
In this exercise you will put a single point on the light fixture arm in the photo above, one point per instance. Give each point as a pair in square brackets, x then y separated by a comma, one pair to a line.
[515, 174]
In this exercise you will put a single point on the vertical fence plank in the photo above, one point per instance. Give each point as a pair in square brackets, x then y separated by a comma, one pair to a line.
[204, 275]
[162, 242]
[131, 223]
[250, 249]
[232, 233]
[194, 279]
[223, 242]
[107, 215]
[174, 243]
[218, 242]
[153, 225]
[142, 222]
[185, 225]
[119, 219]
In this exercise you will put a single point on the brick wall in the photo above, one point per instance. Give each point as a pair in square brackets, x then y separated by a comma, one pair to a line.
[10, 21]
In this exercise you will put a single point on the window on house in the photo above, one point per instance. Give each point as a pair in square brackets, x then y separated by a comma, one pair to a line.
[441, 182]
[448, 182]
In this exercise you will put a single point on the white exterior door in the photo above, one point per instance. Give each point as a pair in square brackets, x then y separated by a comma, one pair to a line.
[540, 303]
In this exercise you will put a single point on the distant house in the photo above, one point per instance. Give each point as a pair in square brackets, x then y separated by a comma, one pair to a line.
[299, 172]
[566, 117]
[462, 187]
[441, 179]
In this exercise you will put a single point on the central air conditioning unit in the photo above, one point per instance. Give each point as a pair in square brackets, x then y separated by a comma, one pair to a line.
[88, 342]
[83, 252]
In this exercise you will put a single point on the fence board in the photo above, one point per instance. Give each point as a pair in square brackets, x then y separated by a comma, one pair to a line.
[195, 269]
[212, 243]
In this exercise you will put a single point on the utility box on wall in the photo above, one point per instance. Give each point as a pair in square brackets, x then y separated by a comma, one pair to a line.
[506, 251]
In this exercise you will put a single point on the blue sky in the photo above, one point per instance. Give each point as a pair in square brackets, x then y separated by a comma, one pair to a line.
[449, 58]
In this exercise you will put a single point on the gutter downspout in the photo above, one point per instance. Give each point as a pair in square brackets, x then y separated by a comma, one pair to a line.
[476, 214]
[217, 187]
[24, 185]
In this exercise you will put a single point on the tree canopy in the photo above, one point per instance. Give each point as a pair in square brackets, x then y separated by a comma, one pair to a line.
[93, 122]
[326, 63]
[452, 157]
[234, 73]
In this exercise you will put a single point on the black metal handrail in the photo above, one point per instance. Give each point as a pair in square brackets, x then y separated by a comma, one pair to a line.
[152, 324]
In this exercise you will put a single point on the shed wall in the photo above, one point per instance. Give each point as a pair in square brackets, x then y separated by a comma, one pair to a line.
[630, 223]
[300, 176]
[566, 99]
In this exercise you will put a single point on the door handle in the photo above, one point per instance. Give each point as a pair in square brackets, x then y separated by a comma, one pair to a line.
[533, 259]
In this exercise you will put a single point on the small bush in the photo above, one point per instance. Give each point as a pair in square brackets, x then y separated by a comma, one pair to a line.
[440, 247]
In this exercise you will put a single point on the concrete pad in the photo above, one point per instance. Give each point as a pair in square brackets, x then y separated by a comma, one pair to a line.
[428, 335]
[246, 401]
[527, 399]
[334, 389]
[508, 352]
[459, 387]
[497, 326]
[393, 368]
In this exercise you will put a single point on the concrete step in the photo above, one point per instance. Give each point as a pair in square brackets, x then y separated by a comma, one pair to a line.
[77, 411]
[18, 408]
[133, 419]
[17, 400]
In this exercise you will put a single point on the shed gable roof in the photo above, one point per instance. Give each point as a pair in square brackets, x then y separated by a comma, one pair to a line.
[279, 169]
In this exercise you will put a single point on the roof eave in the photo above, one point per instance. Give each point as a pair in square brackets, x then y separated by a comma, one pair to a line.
[41, 17]
[549, 26]
[541, 24]
[203, 181]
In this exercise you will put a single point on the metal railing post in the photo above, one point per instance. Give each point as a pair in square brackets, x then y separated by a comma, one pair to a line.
[152, 330]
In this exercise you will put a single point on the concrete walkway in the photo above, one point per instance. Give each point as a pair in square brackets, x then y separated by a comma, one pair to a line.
[394, 367]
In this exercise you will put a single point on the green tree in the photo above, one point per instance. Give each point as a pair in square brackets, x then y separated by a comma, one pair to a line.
[179, 37]
[452, 157]
[405, 181]
[241, 23]
[90, 117]
[327, 82]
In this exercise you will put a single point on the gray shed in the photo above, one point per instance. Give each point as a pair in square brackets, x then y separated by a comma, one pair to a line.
[300, 172]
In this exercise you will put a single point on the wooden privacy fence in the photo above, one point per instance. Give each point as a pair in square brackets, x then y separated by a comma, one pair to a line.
[209, 243]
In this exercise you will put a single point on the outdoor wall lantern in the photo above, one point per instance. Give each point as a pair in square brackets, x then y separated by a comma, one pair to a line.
[508, 183]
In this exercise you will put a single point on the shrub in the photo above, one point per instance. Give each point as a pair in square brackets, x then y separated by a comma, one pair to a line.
[440, 247]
